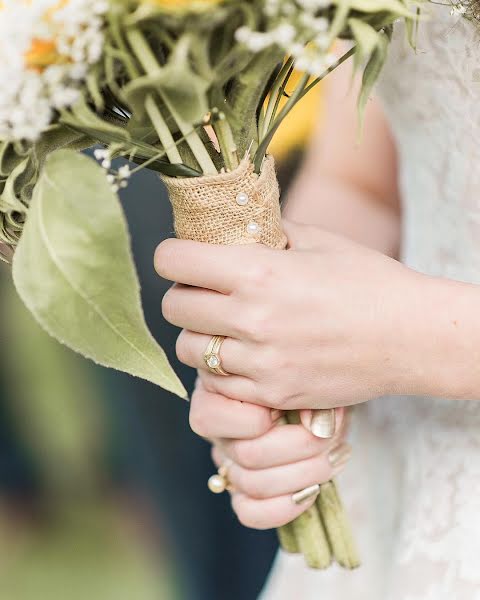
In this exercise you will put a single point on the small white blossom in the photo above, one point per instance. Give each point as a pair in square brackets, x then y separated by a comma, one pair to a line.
[100, 154]
[46, 49]
[124, 172]
[300, 28]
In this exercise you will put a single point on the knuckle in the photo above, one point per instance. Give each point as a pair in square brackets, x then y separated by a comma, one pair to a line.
[246, 454]
[257, 275]
[269, 361]
[256, 323]
[209, 382]
[251, 517]
[181, 348]
[164, 255]
[199, 422]
[262, 423]
[271, 396]
[254, 487]
[311, 443]
[168, 306]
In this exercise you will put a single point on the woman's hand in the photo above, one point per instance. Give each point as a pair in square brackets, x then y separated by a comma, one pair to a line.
[267, 463]
[328, 323]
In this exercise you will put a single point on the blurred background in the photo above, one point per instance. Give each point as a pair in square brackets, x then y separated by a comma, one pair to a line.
[102, 484]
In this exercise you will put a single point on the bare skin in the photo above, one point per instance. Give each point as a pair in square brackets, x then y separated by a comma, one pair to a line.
[335, 321]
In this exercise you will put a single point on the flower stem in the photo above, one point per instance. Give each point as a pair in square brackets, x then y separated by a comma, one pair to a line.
[162, 130]
[247, 95]
[275, 97]
[302, 89]
[337, 526]
[150, 64]
[228, 148]
[288, 539]
[312, 539]
[310, 535]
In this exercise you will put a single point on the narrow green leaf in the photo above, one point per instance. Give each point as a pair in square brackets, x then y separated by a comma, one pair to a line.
[176, 83]
[74, 271]
[366, 40]
[372, 73]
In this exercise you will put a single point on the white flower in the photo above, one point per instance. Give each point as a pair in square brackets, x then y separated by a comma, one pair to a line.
[46, 49]
[124, 172]
[300, 28]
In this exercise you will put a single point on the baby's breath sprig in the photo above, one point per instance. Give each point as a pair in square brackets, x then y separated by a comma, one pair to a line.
[118, 179]
[46, 48]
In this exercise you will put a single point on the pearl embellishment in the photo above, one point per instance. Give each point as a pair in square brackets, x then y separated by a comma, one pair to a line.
[253, 228]
[242, 199]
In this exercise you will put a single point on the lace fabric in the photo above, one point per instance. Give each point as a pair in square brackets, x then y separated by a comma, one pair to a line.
[413, 487]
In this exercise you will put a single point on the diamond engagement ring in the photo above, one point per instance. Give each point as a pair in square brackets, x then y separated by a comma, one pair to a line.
[212, 356]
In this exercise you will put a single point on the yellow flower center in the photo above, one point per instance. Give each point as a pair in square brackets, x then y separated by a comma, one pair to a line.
[43, 52]
[182, 5]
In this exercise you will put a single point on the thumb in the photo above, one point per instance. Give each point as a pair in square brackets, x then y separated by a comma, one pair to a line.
[323, 423]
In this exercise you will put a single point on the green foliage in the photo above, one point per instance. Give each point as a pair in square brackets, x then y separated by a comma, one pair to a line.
[163, 76]
[74, 271]
[20, 167]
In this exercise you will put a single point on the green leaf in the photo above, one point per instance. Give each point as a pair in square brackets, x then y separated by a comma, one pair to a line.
[372, 73]
[176, 83]
[366, 40]
[74, 271]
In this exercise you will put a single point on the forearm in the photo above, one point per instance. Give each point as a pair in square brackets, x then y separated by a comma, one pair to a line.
[339, 206]
[446, 355]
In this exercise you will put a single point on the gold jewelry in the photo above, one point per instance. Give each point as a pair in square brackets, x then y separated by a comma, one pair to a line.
[212, 356]
[219, 482]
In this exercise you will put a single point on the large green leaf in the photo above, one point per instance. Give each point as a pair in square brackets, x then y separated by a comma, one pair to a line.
[74, 270]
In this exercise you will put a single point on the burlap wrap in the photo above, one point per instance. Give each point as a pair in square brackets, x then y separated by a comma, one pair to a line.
[205, 209]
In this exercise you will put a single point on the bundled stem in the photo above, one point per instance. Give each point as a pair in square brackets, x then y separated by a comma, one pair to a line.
[322, 533]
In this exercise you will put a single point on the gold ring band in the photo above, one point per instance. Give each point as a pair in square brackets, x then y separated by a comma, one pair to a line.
[212, 356]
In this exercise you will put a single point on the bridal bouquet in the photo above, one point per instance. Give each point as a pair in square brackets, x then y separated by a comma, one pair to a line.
[193, 89]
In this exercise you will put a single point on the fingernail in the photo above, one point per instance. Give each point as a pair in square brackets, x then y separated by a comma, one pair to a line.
[322, 424]
[340, 456]
[307, 494]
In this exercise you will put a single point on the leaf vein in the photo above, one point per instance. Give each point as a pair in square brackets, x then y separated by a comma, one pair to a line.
[56, 260]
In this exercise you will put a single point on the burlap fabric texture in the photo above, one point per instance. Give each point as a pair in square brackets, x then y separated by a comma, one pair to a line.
[239, 207]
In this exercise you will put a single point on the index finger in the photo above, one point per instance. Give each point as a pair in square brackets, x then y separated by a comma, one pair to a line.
[201, 265]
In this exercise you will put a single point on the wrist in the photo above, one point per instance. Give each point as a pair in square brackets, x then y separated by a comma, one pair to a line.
[445, 346]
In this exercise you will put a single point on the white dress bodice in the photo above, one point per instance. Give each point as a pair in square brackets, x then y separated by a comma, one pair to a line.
[413, 487]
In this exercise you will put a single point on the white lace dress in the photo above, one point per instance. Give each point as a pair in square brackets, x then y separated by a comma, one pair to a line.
[413, 487]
